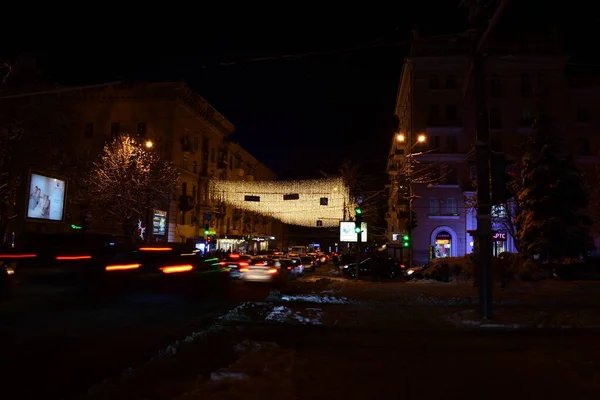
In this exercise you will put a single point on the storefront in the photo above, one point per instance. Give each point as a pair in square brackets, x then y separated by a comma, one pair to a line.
[443, 245]
[233, 244]
[500, 243]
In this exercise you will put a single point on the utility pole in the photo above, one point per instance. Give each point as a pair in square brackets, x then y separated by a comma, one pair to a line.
[481, 31]
[358, 231]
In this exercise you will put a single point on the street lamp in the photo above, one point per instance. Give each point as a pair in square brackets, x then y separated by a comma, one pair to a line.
[421, 138]
[149, 144]
[400, 137]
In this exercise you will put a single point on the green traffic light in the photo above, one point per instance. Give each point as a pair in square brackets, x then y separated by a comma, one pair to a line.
[405, 237]
[405, 244]
[206, 233]
[357, 230]
[358, 210]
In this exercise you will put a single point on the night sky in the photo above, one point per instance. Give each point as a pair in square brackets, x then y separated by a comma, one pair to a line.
[299, 115]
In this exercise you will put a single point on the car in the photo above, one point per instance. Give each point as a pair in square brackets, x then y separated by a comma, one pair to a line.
[7, 279]
[274, 271]
[297, 267]
[309, 263]
[234, 262]
[392, 268]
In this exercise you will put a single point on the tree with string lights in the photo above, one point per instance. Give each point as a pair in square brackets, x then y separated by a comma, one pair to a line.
[128, 180]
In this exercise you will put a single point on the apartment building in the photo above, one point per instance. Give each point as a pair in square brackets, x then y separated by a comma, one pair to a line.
[186, 129]
[431, 162]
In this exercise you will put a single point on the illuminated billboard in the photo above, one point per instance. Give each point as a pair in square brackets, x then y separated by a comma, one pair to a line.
[347, 233]
[46, 198]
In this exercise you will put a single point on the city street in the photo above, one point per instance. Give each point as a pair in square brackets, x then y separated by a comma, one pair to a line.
[57, 345]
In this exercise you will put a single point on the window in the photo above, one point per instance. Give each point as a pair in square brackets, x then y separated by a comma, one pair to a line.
[472, 172]
[526, 89]
[451, 144]
[195, 167]
[435, 143]
[194, 193]
[451, 206]
[434, 115]
[292, 196]
[182, 218]
[115, 129]
[230, 162]
[141, 129]
[183, 188]
[196, 143]
[324, 201]
[527, 117]
[450, 176]
[450, 82]
[212, 155]
[495, 118]
[434, 206]
[452, 115]
[496, 86]
[496, 144]
[89, 130]
[499, 211]
[542, 84]
[583, 147]
[184, 165]
[583, 115]
[434, 82]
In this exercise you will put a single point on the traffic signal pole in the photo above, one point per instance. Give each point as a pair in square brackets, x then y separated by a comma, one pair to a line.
[358, 230]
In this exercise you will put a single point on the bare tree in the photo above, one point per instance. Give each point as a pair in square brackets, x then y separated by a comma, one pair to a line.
[128, 180]
[32, 134]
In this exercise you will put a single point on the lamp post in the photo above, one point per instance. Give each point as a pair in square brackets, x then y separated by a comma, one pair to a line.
[421, 138]
[149, 226]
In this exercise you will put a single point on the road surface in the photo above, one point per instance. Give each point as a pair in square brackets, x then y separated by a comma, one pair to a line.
[55, 346]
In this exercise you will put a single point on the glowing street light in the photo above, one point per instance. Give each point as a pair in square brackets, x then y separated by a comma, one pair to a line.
[400, 137]
[421, 138]
[149, 144]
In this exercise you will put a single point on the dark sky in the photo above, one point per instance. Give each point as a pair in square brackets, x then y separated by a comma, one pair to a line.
[299, 115]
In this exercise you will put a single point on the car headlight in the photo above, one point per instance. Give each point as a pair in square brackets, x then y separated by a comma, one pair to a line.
[409, 272]
[345, 267]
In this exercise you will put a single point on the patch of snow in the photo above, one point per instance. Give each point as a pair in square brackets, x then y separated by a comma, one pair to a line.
[228, 375]
[284, 314]
[316, 299]
[428, 281]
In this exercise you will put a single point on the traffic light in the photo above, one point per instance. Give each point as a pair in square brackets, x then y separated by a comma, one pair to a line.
[358, 220]
[206, 230]
[405, 241]
[86, 222]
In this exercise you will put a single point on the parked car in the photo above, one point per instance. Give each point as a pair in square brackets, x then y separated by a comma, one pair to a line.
[392, 269]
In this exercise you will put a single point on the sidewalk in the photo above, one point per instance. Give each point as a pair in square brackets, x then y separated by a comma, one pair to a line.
[330, 339]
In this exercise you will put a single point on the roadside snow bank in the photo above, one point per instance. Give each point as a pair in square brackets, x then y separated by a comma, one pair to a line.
[309, 316]
[315, 298]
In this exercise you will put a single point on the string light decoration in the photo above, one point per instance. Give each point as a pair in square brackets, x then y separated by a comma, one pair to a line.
[311, 203]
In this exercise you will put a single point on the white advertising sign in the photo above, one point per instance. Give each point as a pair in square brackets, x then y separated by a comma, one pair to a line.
[46, 198]
[347, 233]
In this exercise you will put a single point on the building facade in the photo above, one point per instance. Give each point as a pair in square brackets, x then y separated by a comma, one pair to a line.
[431, 163]
[187, 130]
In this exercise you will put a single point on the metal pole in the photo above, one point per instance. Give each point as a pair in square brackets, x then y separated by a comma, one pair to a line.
[358, 239]
[482, 159]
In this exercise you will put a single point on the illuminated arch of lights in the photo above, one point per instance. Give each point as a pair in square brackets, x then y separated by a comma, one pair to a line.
[311, 203]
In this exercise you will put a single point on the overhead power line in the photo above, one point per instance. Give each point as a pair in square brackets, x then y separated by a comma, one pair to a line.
[295, 56]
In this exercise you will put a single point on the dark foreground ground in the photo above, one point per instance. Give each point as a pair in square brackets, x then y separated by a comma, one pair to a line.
[320, 338]
[56, 345]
